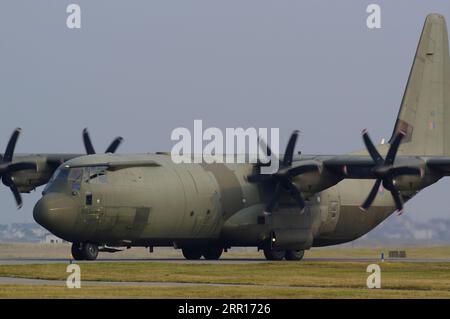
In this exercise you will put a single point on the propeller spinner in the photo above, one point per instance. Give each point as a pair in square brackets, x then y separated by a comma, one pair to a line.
[284, 176]
[385, 172]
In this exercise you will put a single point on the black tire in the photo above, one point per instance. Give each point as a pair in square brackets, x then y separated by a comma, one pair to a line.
[294, 254]
[90, 251]
[77, 253]
[212, 253]
[191, 253]
[274, 254]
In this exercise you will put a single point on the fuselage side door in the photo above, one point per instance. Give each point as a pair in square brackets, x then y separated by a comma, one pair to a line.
[93, 199]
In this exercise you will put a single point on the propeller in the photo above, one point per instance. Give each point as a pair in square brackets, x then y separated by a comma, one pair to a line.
[90, 148]
[7, 168]
[284, 176]
[385, 172]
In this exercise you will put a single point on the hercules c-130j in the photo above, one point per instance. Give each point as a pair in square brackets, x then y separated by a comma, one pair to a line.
[100, 202]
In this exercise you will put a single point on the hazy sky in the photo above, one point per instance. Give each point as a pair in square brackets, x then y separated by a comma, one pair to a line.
[141, 68]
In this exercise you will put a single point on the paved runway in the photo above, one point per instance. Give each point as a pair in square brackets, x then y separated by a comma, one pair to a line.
[29, 261]
[27, 281]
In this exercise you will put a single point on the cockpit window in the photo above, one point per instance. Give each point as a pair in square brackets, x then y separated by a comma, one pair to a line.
[75, 174]
[60, 174]
[63, 173]
[96, 175]
[75, 177]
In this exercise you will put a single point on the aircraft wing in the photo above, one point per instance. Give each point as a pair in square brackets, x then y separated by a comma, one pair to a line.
[114, 166]
[361, 167]
[350, 166]
[439, 164]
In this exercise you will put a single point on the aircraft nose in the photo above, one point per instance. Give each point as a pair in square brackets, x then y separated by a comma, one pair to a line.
[56, 212]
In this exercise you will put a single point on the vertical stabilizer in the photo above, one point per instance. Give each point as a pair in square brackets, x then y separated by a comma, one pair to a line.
[425, 110]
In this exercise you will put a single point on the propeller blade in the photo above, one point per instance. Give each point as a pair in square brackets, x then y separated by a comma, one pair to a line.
[14, 167]
[87, 142]
[296, 195]
[114, 145]
[276, 196]
[373, 193]
[398, 199]
[298, 170]
[289, 153]
[406, 170]
[262, 144]
[9, 152]
[9, 182]
[390, 157]
[373, 152]
[17, 195]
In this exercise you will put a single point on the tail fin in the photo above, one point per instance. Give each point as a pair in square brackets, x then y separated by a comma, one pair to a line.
[425, 110]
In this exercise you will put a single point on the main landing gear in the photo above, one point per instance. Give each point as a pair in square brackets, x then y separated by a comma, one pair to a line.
[84, 251]
[195, 253]
[271, 254]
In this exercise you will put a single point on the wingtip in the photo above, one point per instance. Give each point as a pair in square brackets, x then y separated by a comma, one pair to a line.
[362, 209]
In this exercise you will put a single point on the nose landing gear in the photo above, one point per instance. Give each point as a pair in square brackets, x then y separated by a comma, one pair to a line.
[84, 251]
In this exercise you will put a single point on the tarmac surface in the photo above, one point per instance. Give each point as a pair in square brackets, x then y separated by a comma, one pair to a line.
[30, 261]
[27, 281]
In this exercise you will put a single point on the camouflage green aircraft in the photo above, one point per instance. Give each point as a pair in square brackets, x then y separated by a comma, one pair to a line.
[101, 202]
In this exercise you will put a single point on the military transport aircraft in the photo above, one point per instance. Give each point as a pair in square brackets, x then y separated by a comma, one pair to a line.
[101, 202]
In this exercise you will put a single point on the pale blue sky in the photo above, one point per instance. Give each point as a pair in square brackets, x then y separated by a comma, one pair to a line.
[141, 68]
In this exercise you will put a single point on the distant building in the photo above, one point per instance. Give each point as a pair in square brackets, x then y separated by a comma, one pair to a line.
[52, 239]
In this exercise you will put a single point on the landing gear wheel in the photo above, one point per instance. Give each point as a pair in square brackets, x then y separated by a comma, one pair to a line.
[77, 253]
[212, 253]
[90, 251]
[294, 254]
[274, 254]
[191, 253]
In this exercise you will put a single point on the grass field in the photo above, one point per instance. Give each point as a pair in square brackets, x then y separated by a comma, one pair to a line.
[306, 279]
[261, 280]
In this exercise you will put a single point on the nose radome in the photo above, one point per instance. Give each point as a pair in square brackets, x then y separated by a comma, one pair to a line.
[56, 212]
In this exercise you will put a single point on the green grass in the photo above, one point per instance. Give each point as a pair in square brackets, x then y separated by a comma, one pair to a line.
[274, 280]
[191, 292]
